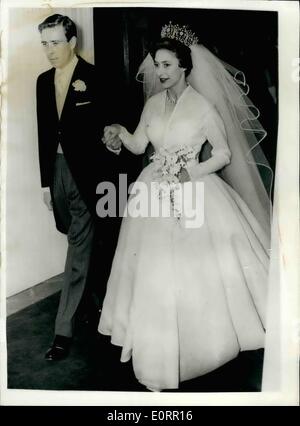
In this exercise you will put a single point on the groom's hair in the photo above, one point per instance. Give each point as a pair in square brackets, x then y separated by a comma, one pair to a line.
[67, 24]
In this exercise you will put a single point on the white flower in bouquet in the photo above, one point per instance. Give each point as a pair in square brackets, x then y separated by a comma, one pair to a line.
[174, 169]
[168, 165]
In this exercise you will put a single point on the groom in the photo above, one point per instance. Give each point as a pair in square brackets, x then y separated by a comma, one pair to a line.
[71, 117]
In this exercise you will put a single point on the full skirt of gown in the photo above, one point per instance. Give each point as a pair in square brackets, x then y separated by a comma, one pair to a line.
[184, 301]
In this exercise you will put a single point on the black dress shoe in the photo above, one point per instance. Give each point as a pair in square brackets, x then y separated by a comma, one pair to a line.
[59, 350]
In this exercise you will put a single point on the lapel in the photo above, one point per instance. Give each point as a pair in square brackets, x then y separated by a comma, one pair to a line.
[52, 97]
[70, 97]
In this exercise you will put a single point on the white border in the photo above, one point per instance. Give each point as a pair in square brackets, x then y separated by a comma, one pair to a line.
[287, 213]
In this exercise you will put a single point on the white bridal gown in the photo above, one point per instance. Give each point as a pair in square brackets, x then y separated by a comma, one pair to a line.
[182, 302]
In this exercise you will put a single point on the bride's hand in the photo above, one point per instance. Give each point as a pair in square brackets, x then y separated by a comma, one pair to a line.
[111, 137]
[111, 132]
[184, 176]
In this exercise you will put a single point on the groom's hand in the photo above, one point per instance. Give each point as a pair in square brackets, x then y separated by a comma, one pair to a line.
[111, 138]
[111, 132]
[114, 143]
[47, 200]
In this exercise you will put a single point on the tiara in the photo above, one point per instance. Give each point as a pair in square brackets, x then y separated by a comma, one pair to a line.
[182, 34]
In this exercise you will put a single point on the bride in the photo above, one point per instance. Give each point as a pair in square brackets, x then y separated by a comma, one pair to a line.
[182, 301]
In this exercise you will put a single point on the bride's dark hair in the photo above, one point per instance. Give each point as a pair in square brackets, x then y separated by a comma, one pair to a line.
[182, 52]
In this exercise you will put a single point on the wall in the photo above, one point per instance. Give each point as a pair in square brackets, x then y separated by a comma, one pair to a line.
[35, 251]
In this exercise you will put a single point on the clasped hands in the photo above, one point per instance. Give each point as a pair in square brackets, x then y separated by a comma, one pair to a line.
[113, 142]
[111, 137]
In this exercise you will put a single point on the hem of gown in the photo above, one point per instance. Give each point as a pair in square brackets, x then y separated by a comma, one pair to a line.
[154, 388]
[115, 343]
[151, 387]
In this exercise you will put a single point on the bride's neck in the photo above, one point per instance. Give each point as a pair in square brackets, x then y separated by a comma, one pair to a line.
[176, 91]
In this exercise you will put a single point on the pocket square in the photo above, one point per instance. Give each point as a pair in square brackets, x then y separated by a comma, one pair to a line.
[82, 103]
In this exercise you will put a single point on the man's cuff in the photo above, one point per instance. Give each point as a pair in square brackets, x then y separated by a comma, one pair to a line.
[47, 189]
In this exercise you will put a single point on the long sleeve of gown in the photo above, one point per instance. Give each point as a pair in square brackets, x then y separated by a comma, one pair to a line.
[138, 141]
[215, 133]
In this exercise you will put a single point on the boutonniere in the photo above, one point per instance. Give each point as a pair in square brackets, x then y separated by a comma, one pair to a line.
[79, 86]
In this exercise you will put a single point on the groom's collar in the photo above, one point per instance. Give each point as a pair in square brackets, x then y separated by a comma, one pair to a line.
[69, 68]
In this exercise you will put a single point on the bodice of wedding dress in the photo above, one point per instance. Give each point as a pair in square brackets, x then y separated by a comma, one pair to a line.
[193, 121]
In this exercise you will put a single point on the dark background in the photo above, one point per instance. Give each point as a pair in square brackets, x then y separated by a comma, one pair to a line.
[245, 39]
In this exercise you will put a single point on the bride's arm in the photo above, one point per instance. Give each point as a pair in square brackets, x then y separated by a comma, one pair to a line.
[220, 154]
[136, 142]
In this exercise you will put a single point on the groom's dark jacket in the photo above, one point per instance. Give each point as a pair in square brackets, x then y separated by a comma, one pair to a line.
[79, 131]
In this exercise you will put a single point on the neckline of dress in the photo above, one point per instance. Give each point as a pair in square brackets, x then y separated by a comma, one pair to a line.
[173, 112]
[178, 99]
[176, 104]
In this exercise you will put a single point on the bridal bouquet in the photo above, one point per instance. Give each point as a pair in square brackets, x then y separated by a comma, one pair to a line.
[168, 165]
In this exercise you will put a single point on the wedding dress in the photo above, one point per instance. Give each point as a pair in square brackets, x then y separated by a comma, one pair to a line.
[182, 302]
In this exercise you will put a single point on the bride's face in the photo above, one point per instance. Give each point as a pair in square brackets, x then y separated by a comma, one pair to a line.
[167, 68]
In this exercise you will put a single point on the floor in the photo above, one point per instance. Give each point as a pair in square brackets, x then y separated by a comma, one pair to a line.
[93, 363]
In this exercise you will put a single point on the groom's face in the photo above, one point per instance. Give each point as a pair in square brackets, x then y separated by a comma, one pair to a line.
[58, 49]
